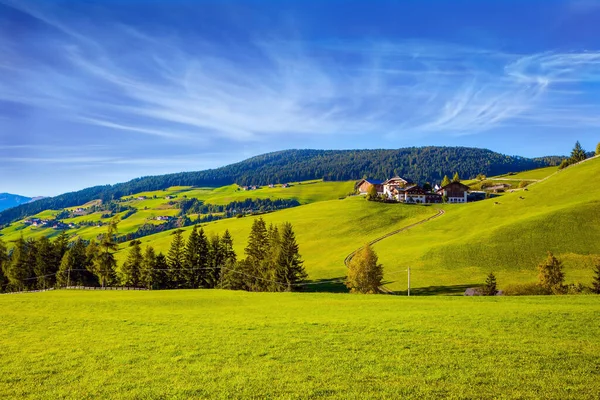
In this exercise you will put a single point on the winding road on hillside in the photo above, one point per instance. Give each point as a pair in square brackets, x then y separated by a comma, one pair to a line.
[387, 235]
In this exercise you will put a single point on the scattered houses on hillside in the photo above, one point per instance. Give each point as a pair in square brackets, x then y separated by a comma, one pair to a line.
[405, 191]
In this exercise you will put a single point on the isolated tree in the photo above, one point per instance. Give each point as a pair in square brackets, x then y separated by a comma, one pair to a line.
[289, 266]
[490, 288]
[129, 273]
[176, 261]
[446, 181]
[551, 276]
[578, 153]
[598, 149]
[456, 177]
[105, 263]
[596, 281]
[364, 273]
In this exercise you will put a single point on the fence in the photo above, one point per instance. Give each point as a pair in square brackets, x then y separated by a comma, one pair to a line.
[103, 288]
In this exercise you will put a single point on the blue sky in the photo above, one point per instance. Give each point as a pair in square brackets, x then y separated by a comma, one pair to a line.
[100, 92]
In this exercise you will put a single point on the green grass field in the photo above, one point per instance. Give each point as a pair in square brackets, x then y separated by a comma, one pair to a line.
[509, 238]
[219, 344]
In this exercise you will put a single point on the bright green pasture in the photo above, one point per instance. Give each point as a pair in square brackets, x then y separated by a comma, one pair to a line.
[509, 238]
[219, 344]
[534, 174]
[326, 231]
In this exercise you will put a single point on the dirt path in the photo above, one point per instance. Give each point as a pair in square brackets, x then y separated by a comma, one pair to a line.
[387, 235]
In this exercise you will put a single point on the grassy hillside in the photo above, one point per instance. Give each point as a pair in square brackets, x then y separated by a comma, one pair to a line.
[157, 204]
[509, 238]
[327, 231]
[217, 344]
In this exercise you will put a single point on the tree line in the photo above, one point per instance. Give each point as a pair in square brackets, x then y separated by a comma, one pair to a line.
[272, 262]
[423, 164]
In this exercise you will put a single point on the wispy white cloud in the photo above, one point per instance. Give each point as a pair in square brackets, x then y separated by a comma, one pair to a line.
[272, 88]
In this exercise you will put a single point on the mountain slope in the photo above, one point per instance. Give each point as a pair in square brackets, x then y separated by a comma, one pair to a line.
[8, 200]
[420, 164]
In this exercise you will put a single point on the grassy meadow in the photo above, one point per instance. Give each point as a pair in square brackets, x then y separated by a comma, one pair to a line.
[219, 344]
[509, 235]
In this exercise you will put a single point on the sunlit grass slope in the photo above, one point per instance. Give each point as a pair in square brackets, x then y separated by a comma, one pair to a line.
[157, 204]
[510, 238]
[326, 231]
[219, 344]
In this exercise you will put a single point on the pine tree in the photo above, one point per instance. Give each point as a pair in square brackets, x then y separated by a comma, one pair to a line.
[192, 260]
[445, 181]
[256, 252]
[598, 149]
[234, 275]
[129, 273]
[3, 265]
[490, 288]
[105, 262]
[19, 278]
[148, 272]
[289, 263]
[203, 273]
[227, 242]
[551, 275]
[216, 260]
[364, 273]
[176, 261]
[578, 154]
[46, 265]
[161, 279]
[456, 177]
[596, 281]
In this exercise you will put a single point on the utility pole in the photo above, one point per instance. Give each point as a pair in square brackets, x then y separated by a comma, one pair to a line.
[408, 281]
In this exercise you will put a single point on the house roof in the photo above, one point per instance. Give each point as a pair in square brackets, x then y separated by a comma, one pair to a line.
[397, 178]
[455, 183]
[370, 181]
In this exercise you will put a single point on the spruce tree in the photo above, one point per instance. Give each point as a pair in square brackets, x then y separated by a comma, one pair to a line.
[598, 149]
[216, 260]
[17, 273]
[578, 154]
[148, 270]
[192, 271]
[445, 181]
[456, 177]
[129, 273]
[551, 275]
[490, 288]
[256, 252]
[234, 275]
[203, 273]
[105, 262]
[227, 242]
[290, 267]
[161, 278]
[46, 265]
[364, 273]
[176, 261]
[596, 281]
[3, 265]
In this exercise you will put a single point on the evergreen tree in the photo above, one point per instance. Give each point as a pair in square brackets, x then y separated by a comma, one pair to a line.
[161, 279]
[227, 243]
[234, 275]
[596, 281]
[216, 260]
[192, 260]
[456, 177]
[148, 270]
[3, 265]
[289, 263]
[74, 268]
[46, 264]
[105, 262]
[176, 261]
[490, 288]
[203, 273]
[17, 273]
[129, 273]
[551, 275]
[61, 245]
[256, 252]
[446, 181]
[364, 273]
[578, 154]
[598, 149]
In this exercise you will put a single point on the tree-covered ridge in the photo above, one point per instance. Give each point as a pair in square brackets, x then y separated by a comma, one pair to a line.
[421, 164]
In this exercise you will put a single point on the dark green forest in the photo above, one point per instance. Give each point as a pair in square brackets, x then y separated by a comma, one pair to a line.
[421, 164]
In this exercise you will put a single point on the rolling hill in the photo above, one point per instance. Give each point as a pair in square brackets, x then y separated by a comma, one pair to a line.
[421, 164]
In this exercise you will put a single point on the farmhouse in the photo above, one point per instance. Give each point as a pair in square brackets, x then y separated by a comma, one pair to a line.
[364, 185]
[455, 192]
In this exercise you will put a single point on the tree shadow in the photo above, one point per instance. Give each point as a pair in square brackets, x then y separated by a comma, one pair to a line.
[335, 285]
[452, 290]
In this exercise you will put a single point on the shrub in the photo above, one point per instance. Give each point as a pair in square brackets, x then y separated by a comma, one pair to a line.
[525, 289]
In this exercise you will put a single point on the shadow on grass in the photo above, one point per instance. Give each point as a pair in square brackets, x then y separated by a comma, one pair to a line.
[438, 290]
[335, 285]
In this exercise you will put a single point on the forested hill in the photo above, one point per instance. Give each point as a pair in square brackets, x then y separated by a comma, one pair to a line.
[424, 164]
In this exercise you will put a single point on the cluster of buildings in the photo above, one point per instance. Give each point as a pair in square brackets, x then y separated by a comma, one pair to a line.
[405, 191]
[48, 223]
[271, 186]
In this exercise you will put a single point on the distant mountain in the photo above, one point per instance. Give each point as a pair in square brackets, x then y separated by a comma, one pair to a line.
[421, 164]
[8, 200]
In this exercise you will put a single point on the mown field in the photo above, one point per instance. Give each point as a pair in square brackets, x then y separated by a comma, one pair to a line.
[219, 344]
[509, 235]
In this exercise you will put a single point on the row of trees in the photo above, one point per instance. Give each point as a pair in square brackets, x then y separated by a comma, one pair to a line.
[578, 154]
[272, 263]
